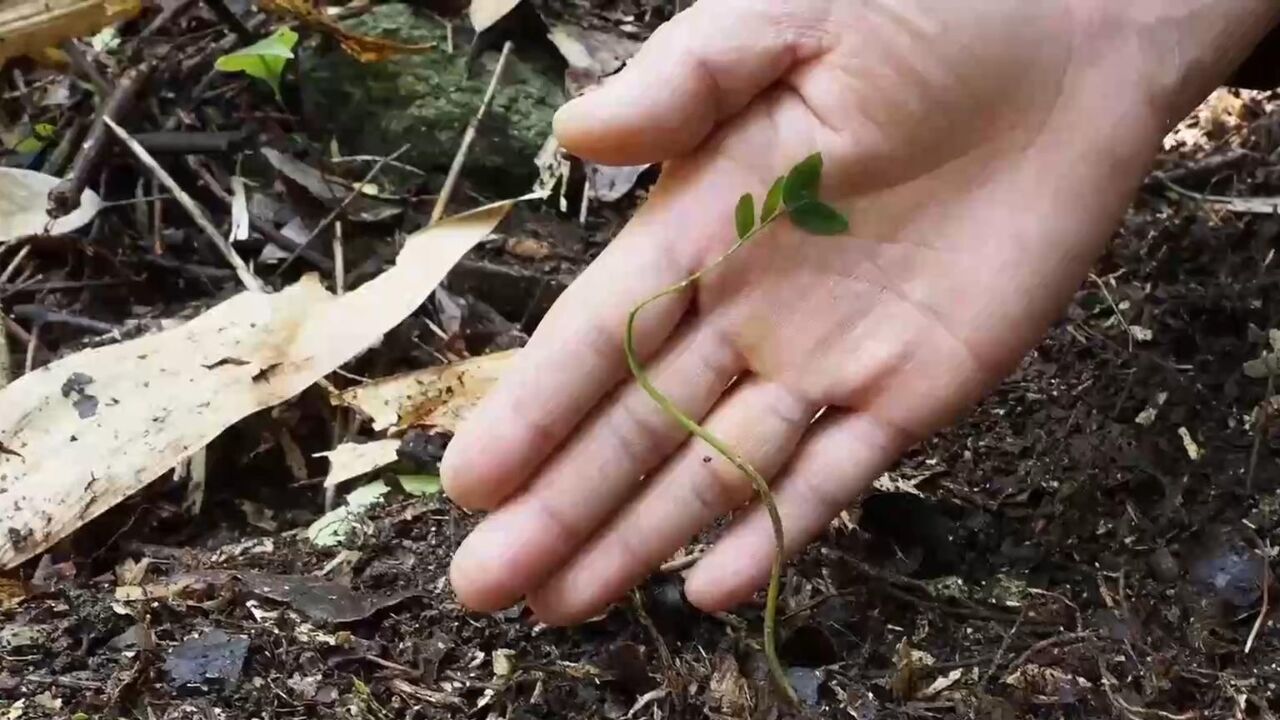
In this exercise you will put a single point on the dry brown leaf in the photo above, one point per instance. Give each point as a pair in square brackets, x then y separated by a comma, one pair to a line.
[361, 47]
[12, 592]
[31, 26]
[439, 396]
[162, 397]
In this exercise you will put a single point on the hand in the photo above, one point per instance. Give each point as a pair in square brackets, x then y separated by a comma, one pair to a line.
[983, 152]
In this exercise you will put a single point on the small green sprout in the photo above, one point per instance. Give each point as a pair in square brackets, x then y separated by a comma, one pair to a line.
[264, 59]
[794, 195]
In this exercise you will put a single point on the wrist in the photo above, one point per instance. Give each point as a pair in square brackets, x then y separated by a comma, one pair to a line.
[1171, 53]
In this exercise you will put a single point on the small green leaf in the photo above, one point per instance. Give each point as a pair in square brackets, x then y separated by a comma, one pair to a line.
[772, 200]
[801, 184]
[29, 146]
[264, 59]
[818, 218]
[744, 216]
[420, 485]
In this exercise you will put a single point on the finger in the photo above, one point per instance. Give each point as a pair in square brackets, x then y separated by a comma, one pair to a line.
[576, 355]
[690, 75]
[517, 547]
[760, 420]
[839, 460]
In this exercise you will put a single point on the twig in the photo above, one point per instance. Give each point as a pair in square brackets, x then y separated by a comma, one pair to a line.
[179, 142]
[30, 363]
[1129, 710]
[40, 315]
[469, 136]
[333, 214]
[65, 196]
[1065, 639]
[81, 63]
[14, 263]
[1115, 308]
[664, 654]
[1004, 645]
[231, 20]
[197, 214]
[264, 227]
[4, 358]
[168, 12]
[339, 261]
[62, 681]
[1259, 430]
[1266, 605]
[59, 286]
[374, 158]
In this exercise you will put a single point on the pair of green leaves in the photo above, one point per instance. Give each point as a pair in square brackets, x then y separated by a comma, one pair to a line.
[795, 194]
[264, 59]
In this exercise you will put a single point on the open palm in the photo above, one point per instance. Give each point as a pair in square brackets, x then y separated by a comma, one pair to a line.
[982, 159]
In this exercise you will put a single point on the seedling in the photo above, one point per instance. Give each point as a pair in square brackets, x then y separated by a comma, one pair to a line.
[264, 59]
[794, 196]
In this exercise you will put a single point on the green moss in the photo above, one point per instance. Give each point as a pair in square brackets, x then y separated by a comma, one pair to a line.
[427, 100]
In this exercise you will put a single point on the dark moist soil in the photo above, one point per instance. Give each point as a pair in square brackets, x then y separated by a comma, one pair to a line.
[1093, 541]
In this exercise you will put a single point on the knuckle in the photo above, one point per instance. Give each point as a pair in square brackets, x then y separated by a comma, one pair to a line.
[718, 484]
[640, 430]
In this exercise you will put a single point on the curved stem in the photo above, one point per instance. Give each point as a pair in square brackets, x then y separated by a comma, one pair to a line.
[757, 481]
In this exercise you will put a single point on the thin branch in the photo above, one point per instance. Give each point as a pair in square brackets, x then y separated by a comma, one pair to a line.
[469, 136]
[333, 214]
[1266, 605]
[197, 214]
[14, 263]
[1260, 430]
[1114, 307]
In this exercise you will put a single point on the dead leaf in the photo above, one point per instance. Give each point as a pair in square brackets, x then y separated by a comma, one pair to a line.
[1046, 681]
[24, 197]
[941, 684]
[12, 592]
[364, 48]
[484, 13]
[350, 460]
[1193, 450]
[728, 691]
[322, 600]
[328, 189]
[30, 26]
[165, 396]
[610, 183]
[239, 211]
[591, 55]
[528, 248]
[437, 397]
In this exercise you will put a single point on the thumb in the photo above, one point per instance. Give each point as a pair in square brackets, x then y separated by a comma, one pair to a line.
[698, 69]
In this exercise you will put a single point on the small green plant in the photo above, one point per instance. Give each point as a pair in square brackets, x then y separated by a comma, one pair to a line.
[264, 59]
[795, 196]
[41, 135]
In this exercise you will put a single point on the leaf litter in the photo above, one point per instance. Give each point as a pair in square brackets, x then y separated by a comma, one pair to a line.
[1064, 550]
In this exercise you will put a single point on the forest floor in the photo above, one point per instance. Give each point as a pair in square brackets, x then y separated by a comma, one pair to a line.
[1095, 540]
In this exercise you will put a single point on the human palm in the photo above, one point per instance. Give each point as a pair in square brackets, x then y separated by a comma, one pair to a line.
[982, 160]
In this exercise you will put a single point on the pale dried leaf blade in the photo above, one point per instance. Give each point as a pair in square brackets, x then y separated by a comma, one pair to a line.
[484, 13]
[28, 26]
[439, 396]
[24, 195]
[164, 396]
[350, 460]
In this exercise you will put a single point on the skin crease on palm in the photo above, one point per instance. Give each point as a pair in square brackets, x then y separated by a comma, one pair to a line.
[983, 151]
